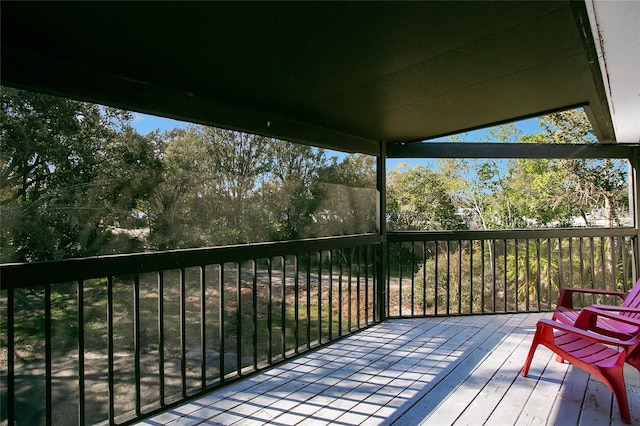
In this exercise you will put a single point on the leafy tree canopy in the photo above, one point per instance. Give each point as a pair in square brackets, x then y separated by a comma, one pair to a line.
[76, 179]
[523, 193]
[69, 170]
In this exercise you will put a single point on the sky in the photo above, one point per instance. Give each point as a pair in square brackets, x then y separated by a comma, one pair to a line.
[145, 123]
[528, 126]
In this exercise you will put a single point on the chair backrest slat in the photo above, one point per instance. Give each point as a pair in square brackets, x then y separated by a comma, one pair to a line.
[633, 300]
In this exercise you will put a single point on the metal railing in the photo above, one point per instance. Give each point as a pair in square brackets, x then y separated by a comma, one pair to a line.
[115, 338]
[476, 272]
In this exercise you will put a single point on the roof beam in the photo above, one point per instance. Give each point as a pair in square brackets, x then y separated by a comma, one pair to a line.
[507, 150]
[69, 80]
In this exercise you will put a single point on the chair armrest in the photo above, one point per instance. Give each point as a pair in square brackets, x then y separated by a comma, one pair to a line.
[615, 308]
[565, 299]
[588, 335]
[588, 316]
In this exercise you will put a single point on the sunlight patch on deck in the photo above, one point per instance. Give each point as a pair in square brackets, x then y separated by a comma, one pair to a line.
[455, 370]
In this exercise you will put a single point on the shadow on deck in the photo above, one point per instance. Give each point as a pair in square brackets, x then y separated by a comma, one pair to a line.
[440, 371]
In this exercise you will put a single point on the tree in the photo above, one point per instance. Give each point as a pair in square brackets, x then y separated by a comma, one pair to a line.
[57, 183]
[290, 189]
[470, 185]
[167, 208]
[129, 173]
[209, 194]
[558, 191]
[233, 167]
[347, 194]
[597, 185]
[571, 126]
[417, 199]
[476, 186]
[533, 186]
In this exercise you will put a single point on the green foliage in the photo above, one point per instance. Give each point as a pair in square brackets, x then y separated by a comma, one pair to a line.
[417, 199]
[476, 190]
[77, 180]
[208, 194]
[506, 275]
[222, 187]
[291, 190]
[523, 193]
[441, 286]
[569, 126]
[526, 193]
[347, 194]
[69, 171]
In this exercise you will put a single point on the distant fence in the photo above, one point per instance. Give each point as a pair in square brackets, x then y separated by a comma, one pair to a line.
[475, 272]
[115, 338]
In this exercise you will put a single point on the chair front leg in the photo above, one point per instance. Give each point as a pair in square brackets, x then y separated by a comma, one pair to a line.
[615, 377]
[532, 350]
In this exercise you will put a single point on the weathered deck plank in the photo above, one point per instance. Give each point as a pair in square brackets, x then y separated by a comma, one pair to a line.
[445, 371]
[456, 391]
[545, 391]
[567, 405]
[500, 366]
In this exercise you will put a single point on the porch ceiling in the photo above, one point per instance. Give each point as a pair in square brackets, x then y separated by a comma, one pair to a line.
[336, 74]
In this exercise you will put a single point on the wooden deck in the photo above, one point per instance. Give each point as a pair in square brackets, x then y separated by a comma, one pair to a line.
[436, 371]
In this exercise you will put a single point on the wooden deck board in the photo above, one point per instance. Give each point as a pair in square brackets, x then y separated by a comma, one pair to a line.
[445, 371]
[545, 391]
[454, 393]
[500, 366]
[567, 405]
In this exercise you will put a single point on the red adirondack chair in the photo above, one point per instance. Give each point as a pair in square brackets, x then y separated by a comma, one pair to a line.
[630, 308]
[601, 356]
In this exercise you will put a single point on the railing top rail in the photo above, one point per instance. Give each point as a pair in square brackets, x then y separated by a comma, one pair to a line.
[22, 275]
[509, 234]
